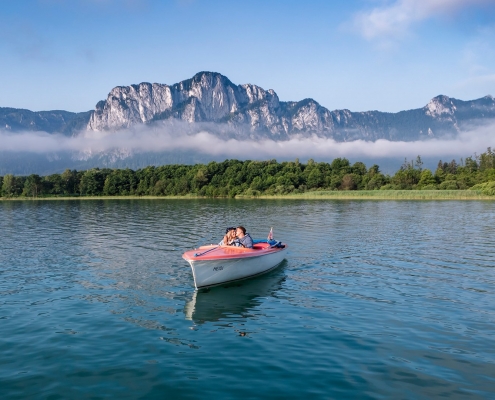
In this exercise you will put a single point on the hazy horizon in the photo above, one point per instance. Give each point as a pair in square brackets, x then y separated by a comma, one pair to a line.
[206, 144]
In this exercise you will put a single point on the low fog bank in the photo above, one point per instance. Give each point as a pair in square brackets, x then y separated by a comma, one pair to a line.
[42, 153]
[24, 163]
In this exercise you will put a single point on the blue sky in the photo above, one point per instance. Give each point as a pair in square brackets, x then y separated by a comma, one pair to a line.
[386, 55]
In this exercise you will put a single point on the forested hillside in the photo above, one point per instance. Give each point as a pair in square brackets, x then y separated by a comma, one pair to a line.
[233, 178]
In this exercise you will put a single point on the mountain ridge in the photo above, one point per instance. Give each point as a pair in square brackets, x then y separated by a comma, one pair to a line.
[250, 112]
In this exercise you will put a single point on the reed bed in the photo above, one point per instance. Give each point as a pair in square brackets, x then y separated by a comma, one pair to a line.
[321, 195]
[54, 198]
[390, 195]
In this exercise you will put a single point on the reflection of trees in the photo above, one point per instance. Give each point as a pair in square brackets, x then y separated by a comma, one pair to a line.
[238, 299]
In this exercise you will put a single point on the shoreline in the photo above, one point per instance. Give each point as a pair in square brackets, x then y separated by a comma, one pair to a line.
[316, 195]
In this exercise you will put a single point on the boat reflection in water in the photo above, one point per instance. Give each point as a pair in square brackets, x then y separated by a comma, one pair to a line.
[234, 299]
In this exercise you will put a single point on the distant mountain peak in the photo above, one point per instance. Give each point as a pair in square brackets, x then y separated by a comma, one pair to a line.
[209, 75]
[440, 105]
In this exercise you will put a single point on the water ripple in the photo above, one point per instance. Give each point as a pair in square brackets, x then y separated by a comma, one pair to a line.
[376, 299]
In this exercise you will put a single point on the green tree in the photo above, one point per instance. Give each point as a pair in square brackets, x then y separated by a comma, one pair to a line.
[315, 179]
[201, 178]
[120, 182]
[92, 182]
[70, 182]
[10, 186]
[426, 179]
[419, 163]
[340, 166]
[257, 184]
[359, 168]
[486, 160]
[32, 186]
[407, 177]
[348, 182]
[53, 184]
[160, 188]
[147, 178]
[373, 179]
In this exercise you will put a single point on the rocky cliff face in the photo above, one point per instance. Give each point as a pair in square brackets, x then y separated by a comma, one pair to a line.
[207, 97]
[252, 112]
[211, 97]
[249, 112]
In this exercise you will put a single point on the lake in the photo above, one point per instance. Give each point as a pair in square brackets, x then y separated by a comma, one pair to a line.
[376, 299]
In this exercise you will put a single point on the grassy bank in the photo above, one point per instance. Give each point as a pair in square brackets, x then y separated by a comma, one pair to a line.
[315, 195]
[84, 198]
[390, 195]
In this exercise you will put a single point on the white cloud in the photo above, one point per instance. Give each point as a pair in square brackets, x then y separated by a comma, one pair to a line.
[396, 18]
[468, 142]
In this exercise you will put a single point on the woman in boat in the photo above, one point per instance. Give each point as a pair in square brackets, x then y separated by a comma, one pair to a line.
[243, 238]
[229, 237]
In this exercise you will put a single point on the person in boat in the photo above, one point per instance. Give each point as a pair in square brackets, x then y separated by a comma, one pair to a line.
[229, 237]
[243, 238]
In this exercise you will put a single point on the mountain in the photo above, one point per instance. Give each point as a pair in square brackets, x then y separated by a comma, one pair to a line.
[57, 121]
[252, 112]
[249, 112]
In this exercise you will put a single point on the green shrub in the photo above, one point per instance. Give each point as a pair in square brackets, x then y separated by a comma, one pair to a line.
[429, 187]
[388, 186]
[487, 188]
[448, 185]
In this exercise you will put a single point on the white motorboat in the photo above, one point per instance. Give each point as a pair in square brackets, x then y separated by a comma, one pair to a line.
[214, 265]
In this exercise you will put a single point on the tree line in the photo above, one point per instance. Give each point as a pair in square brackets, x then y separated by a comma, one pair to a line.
[232, 178]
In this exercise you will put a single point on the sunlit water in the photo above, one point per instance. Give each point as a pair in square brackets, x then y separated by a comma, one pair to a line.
[375, 300]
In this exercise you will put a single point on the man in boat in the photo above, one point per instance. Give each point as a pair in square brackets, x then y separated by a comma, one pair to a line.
[229, 237]
[243, 238]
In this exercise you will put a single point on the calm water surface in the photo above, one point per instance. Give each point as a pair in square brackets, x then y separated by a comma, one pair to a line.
[377, 299]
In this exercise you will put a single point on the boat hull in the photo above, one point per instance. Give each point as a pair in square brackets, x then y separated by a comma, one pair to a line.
[217, 270]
